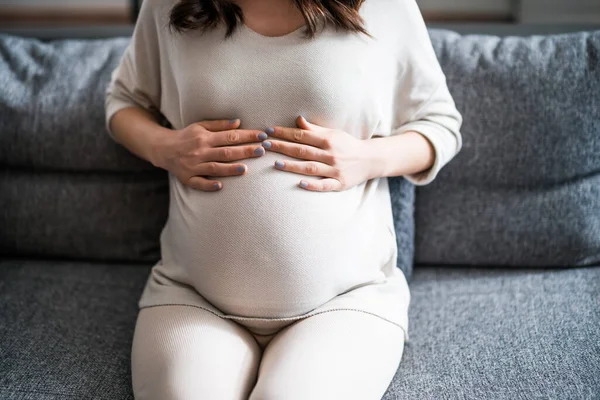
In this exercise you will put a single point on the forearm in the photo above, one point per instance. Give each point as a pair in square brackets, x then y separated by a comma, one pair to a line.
[137, 130]
[399, 155]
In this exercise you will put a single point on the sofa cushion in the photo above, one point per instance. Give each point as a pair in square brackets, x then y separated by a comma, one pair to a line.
[525, 189]
[66, 330]
[402, 195]
[87, 215]
[52, 105]
[502, 333]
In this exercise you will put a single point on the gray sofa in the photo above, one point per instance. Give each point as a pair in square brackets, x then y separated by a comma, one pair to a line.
[501, 251]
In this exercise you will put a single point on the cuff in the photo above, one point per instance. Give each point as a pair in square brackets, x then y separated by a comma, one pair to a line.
[444, 144]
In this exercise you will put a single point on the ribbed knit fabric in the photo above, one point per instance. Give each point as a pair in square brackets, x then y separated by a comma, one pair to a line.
[188, 353]
[262, 247]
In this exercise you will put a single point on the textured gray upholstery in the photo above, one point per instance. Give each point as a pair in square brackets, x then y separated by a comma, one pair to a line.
[476, 333]
[525, 189]
[86, 215]
[52, 115]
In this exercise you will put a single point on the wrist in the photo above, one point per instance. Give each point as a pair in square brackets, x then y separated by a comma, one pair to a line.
[374, 163]
[157, 144]
[400, 154]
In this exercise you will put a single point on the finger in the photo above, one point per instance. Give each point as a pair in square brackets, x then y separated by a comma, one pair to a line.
[304, 124]
[322, 185]
[233, 153]
[236, 136]
[219, 169]
[216, 125]
[200, 183]
[312, 168]
[298, 150]
[299, 135]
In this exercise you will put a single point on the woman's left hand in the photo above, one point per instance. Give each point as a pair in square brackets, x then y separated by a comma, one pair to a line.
[340, 158]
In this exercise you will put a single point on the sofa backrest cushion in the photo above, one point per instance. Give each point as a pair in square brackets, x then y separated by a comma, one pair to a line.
[525, 188]
[68, 190]
[52, 105]
[82, 215]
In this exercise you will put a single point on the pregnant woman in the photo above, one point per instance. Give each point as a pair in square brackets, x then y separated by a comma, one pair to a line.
[279, 122]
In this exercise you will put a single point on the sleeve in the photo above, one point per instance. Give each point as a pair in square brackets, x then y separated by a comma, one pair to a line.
[422, 102]
[136, 79]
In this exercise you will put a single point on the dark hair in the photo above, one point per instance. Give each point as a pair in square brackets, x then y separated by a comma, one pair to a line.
[207, 14]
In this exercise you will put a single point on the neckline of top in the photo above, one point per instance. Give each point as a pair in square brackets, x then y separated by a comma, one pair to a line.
[295, 34]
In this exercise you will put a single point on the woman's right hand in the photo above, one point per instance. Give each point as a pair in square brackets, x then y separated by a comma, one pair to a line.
[204, 149]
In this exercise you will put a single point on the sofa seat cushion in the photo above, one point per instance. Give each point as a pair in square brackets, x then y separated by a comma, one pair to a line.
[502, 333]
[66, 329]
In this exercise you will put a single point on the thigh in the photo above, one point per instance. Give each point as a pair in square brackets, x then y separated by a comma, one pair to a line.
[340, 354]
[183, 352]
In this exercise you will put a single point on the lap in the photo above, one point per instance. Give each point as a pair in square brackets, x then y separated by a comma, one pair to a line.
[340, 354]
[182, 352]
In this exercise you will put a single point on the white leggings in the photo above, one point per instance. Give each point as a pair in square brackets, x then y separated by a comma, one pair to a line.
[187, 353]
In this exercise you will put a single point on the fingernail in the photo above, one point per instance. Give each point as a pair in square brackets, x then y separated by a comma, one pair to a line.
[233, 121]
[262, 136]
[216, 185]
[259, 151]
[267, 144]
[279, 164]
[303, 184]
[241, 168]
[270, 131]
[302, 116]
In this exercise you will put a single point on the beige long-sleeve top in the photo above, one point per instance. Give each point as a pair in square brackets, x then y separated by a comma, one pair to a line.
[262, 246]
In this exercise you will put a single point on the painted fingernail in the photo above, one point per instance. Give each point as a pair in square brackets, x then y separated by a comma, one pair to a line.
[241, 168]
[262, 136]
[216, 185]
[303, 184]
[259, 151]
[270, 131]
[268, 145]
[233, 121]
[279, 164]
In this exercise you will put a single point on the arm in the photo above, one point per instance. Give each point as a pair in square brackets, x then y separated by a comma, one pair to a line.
[426, 132]
[133, 95]
[138, 131]
[417, 155]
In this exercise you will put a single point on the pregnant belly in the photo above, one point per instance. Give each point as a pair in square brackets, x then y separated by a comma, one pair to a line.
[264, 247]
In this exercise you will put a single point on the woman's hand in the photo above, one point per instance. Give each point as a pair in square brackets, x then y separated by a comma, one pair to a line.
[194, 152]
[339, 157]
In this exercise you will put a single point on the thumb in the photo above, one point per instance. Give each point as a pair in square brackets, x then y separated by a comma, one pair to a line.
[304, 124]
[216, 125]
